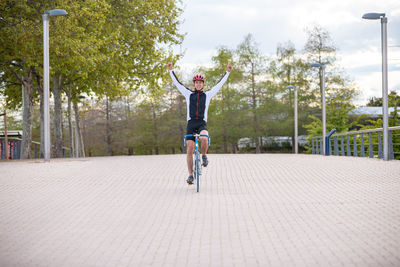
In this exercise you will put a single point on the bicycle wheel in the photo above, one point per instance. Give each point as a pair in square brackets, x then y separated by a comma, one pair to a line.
[197, 168]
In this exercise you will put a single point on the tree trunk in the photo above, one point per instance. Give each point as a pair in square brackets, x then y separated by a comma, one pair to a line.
[224, 132]
[291, 108]
[71, 146]
[291, 105]
[81, 131]
[108, 128]
[6, 152]
[41, 93]
[254, 104]
[225, 140]
[155, 128]
[58, 138]
[41, 122]
[81, 149]
[233, 148]
[26, 146]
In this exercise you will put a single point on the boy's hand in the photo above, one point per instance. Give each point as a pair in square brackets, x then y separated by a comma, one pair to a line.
[170, 65]
[229, 68]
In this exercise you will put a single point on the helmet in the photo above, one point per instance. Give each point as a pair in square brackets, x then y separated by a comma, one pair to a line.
[198, 77]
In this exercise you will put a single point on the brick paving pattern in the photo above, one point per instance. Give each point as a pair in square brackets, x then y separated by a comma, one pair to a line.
[252, 210]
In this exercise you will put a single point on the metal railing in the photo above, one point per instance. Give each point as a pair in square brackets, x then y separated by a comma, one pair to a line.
[14, 145]
[359, 143]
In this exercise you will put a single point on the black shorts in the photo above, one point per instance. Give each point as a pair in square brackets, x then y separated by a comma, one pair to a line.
[195, 126]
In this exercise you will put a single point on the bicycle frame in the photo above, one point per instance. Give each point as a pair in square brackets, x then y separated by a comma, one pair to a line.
[197, 166]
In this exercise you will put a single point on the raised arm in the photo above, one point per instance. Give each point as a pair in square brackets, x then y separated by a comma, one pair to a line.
[185, 91]
[219, 85]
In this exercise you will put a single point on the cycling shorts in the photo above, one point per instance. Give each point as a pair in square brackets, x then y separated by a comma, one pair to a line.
[195, 126]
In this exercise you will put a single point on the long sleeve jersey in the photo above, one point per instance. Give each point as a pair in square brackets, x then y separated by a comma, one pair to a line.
[197, 102]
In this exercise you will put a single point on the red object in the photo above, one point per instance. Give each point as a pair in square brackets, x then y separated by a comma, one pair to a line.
[197, 111]
[198, 77]
[10, 147]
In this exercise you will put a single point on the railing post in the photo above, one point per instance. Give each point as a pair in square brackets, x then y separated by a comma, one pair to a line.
[342, 146]
[328, 150]
[2, 149]
[348, 145]
[370, 148]
[391, 152]
[380, 154]
[321, 144]
[35, 151]
[316, 146]
[355, 153]
[19, 148]
[327, 146]
[336, 146]
[362, 154]
[312, 147]
[14, 149]
[10, 149]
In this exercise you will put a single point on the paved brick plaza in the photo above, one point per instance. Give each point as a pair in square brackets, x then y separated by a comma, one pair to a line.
[252, 210]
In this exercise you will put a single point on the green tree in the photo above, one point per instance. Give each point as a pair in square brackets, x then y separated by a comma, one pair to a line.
[340, 90]
[288, 68]
[252, 65]
[225, 112]
[102, 46]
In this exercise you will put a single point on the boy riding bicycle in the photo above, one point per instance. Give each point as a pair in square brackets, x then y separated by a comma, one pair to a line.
[197, 103]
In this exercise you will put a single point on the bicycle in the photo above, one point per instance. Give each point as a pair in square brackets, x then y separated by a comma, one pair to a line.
[197, 168]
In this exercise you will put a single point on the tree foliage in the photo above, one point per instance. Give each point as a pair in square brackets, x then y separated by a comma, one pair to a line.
[102, 48]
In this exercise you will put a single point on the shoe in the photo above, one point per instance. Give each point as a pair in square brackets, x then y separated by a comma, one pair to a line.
[205, 160]
[190, 179]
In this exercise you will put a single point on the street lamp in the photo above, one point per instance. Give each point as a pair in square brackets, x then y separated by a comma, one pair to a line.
[322, 66]
[385, 113]
[46, 93]
[295, 143]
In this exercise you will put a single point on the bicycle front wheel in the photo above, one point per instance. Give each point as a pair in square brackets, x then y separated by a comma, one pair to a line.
[197, 169]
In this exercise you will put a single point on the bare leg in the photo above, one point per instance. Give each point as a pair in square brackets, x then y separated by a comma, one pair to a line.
[189, 155]
[204, 143]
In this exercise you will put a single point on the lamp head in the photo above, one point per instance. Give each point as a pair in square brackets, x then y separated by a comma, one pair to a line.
[317, 65]
[373, 15]
[56, 12]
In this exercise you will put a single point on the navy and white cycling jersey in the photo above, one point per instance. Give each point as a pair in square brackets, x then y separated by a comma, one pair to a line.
[197, 102]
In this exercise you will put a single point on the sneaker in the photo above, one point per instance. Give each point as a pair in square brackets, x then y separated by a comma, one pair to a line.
[190, 179]
[205, 160]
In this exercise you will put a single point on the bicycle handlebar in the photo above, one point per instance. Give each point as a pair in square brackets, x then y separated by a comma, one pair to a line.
[196, 136]
[190, 135]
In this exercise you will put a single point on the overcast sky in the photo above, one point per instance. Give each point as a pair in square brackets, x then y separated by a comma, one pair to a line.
[209, 24]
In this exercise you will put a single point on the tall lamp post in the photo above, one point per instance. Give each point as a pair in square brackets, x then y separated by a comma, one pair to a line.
[46, 17]
[385, 112]
[322, 66]
[295, 143]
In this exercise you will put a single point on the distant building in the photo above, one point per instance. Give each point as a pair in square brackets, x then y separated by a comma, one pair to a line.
[272, 140]
[11, 134]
